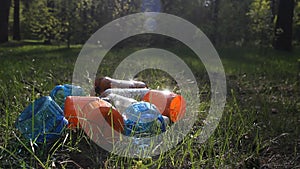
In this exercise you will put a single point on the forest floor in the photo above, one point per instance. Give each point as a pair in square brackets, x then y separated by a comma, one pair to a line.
[260, 126]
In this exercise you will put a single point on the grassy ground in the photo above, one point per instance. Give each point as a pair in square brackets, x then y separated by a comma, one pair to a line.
[259, 127]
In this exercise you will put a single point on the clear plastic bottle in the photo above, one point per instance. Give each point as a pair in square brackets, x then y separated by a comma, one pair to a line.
[120, 102]
[42, 121]
[143, 120]
[60, 93]
[136, 93]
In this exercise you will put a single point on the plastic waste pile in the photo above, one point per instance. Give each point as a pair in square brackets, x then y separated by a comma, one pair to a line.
[129, 107]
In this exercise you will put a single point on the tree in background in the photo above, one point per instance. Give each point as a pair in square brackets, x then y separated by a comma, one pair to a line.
[42, 22]
[66, 13]
[215, 18]
[25, 8]
[233, 23]
[16, 25]
[124, 7]
[86, 24]
[284, 25]
[225, 22]
[296, 28]
[4, 14]
[262, 24]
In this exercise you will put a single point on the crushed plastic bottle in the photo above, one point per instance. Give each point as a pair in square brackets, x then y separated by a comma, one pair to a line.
[60, 93]
[143, 119]
[42, 121]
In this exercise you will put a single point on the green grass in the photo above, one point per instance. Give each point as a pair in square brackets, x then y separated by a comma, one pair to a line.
[259, 127]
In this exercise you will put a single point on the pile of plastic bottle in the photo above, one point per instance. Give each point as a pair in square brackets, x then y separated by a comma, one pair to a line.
[128, 106]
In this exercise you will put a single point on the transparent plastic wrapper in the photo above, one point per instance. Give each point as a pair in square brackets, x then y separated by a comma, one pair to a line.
[42, 121]
[104, 83]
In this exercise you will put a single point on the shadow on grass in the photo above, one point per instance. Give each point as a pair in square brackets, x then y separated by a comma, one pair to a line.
[35, 49]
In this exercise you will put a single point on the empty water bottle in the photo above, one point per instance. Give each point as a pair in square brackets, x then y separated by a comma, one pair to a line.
[120, 102]
[42, 121]
[143, 119]
[137, 93]
[60, 93]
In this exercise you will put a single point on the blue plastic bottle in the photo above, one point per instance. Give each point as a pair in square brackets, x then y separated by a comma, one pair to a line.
[143, 119]
[61, 92]
[42, 121]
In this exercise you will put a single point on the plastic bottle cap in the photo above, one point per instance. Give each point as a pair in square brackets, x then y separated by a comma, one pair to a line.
[177, 108]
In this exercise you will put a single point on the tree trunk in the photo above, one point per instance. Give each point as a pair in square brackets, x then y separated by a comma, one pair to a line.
[215, 18]
[273, 7]
[16, 26]
[284, 25]
[4, 14]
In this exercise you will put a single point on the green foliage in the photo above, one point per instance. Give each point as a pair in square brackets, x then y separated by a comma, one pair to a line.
[72, 21]
[297, 24]
[225, 22]
[262, 22]
[124, 7]
[42, 21]
[60, 21]
[232, 24]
